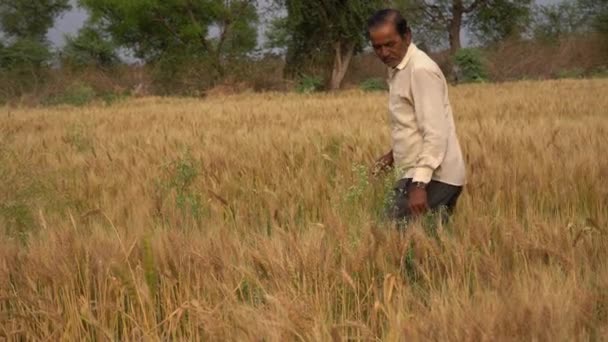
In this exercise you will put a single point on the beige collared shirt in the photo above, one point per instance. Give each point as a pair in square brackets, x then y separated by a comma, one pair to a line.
[425, 145]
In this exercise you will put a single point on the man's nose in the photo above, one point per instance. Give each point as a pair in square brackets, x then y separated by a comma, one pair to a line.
[384, 52]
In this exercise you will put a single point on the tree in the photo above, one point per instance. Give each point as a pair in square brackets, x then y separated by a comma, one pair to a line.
[166, 29]
[568, 17]
[555, 20]
[23, 64]
[497, 20]
[90, 46]
[277, 36]
[597, 11]
[20, 19]
[443, 20]
[441, 16]
[24, 55]
[24, 25]
[326, 32]
[25, 51]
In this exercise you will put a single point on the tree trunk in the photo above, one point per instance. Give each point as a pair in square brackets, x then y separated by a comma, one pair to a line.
[341, 63]
[455, 25]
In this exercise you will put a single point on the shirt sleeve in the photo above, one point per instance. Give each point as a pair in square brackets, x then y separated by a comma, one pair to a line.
[428, 93]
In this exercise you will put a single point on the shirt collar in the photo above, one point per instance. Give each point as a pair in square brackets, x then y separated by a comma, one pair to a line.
[408, 56]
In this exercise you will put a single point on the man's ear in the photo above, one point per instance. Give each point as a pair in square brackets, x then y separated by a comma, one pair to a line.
[407, 38]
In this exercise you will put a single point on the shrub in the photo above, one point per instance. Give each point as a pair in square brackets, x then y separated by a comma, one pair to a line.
[601, 72]
[90, 47]
[177, 189]
[374, 84]
[309, 84]
[571, 73]
[470, 66]
[76, 95]
[23, 68]
[110, 97]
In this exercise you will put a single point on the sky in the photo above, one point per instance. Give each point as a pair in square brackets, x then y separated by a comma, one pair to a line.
[71, 22]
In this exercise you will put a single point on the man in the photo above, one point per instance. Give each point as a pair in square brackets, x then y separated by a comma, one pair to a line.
[426, 152]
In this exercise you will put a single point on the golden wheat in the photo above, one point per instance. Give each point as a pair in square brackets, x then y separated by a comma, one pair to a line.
[253, 217]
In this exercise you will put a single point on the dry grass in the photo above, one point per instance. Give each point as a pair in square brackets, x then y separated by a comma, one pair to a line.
[252, 218]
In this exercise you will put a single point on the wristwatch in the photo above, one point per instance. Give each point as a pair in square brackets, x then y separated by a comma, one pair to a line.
[419, 185]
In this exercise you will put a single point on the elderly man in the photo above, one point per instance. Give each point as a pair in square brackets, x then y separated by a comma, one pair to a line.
[426, 152]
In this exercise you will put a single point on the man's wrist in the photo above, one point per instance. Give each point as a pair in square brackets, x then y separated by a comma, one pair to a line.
[422, 174]
[419, 185]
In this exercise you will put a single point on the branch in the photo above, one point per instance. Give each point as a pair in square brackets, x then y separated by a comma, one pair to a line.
[202, 38]
[227, 22]
[338, 56]
[475, 5]
[225, 27]
[162, 20]
[433, 12]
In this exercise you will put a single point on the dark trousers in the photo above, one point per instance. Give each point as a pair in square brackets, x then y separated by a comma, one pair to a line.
[442, 199]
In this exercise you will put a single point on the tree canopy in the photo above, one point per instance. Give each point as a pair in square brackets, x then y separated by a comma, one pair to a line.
[91, 46]
[326, 33]
[29, 19]
[153, 29]
[24, 25]
[496, 20]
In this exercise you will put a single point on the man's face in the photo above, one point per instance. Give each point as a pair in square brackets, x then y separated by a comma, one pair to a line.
[389, 46]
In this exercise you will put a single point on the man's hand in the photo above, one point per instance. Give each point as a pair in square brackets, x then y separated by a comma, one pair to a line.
[417, 200]
[383, 164]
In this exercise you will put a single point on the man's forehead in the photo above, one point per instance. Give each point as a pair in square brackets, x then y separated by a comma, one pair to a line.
[385, 31]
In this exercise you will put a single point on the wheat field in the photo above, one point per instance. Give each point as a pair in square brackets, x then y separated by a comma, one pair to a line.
[254, 217]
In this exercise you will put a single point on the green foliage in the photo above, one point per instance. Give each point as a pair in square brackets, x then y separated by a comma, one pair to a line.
[601, 21]
[313, 29]
[18, 219]
[29, 18]
[185, 174]
[24, 55]
[309, 84]
[489, 21]
[110, 98]
[178, 185]
[23, 66]
[500, 19]
[424, 30]
[278, 33]
[81, 94]
[158, 30]
[470, 64]
[374, 84]
[571, 73]
[90, 47]
[24, 52]
[386, 196]
[357, 190]
[597, 11]
[556, 20]
[601, 72]
[185, 74]
[76, 95]
[376, 195]
[358, 195]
